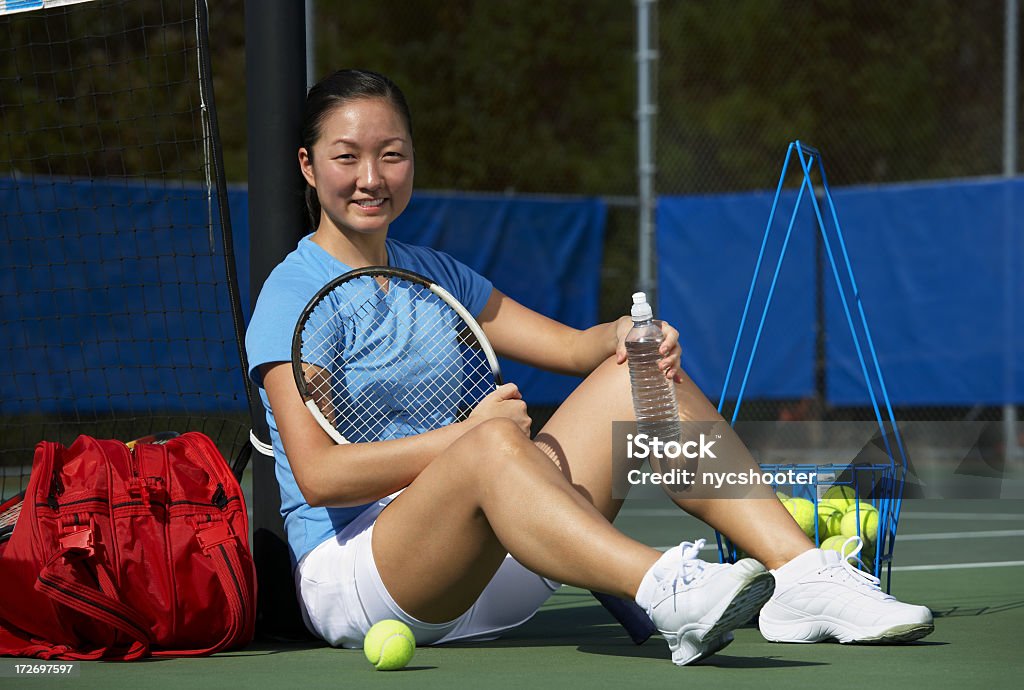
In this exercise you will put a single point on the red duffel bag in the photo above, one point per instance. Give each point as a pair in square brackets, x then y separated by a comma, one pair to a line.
[125, 552]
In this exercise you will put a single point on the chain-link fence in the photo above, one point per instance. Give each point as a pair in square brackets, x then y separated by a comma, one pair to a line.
[889, 92]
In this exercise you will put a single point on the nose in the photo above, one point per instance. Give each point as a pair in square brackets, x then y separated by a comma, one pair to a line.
[370, 174]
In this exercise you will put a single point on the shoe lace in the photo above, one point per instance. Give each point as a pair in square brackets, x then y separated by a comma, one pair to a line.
[681, 573]
[852, 572]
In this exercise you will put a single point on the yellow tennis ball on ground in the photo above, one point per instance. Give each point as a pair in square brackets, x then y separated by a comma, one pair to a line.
[868, 526]
[782, 496]
[389, 645]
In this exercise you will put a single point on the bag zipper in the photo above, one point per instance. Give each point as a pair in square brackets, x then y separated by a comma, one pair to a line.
[220, 499]
[56, 489]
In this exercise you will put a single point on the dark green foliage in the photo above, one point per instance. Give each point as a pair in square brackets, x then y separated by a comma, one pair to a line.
[539, 95]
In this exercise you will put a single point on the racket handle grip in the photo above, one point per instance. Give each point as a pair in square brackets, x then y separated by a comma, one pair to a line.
[629, 614]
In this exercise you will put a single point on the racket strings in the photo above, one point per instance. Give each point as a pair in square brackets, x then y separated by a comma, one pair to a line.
[10, 516]
[9, 513]
[386, 363]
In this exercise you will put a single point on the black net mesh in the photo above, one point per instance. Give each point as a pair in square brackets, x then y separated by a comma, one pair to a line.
[116, 318]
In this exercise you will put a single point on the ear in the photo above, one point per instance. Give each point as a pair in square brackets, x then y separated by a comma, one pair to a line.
[306, 167]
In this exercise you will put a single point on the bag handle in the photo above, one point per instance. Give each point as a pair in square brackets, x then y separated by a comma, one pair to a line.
[57, 580]
[221, 545]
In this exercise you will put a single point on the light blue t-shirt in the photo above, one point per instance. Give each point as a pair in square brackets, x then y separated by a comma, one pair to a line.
[285, 293]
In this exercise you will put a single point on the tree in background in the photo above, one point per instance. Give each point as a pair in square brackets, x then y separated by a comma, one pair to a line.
[539, 96]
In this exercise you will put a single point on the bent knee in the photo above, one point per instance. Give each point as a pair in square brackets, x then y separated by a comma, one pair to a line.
[497, 447]
[499, 434]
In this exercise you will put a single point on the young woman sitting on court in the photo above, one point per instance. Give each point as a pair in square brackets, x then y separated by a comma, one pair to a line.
[463, 532]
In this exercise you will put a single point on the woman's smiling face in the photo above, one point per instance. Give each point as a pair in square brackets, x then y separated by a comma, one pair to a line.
[361, 166]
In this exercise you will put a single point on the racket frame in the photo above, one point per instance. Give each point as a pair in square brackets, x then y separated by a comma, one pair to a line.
[10, 510]
[377, 272]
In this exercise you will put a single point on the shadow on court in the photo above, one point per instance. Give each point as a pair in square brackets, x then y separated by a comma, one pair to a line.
[723, 660]
[583, 620]
[955, 611]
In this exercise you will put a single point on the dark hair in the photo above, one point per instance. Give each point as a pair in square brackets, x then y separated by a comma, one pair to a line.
[337, 89]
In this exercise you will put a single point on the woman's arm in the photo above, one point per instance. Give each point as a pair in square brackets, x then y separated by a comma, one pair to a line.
[353, 474]
[526, 336]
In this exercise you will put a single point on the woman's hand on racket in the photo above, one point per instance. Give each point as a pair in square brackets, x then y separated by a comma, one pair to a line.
[506, 401]
[670, 350]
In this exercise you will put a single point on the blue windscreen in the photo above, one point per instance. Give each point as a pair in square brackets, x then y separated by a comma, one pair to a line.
[939, 272]
[114, 295]
[707, 250]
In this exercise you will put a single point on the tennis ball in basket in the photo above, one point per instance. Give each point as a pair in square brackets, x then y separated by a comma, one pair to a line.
[830, 519]
[834, 524]
[805, 515]
[868, 523]
[389, 645]
[835, 544]
[840, 497]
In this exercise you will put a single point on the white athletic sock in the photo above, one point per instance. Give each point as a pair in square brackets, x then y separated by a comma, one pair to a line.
[794, 569]
[667, 565]
[645, 592]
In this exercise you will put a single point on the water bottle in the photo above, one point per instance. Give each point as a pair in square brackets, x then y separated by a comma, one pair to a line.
[654, 396]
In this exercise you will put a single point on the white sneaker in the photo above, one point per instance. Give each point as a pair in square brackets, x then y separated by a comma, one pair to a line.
[695, 604]
[819, 596]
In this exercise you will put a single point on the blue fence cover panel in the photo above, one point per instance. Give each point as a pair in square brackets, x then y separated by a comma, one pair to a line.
[938, 266]
[939, 270]
[157, 293]
[707, 251]
[112, 300]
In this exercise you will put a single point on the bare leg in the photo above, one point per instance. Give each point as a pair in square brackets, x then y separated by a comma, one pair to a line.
[577, 438]
[439, 543]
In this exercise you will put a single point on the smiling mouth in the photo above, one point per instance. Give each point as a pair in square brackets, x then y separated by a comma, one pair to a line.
[370, 203]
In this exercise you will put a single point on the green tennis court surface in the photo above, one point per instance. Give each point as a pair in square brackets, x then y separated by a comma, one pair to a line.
[964, 559]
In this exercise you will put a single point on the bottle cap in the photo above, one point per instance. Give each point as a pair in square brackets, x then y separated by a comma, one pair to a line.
[641, 311]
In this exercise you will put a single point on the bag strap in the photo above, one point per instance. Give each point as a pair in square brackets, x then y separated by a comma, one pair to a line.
[17, 642]
[221, 546]
[57, 579]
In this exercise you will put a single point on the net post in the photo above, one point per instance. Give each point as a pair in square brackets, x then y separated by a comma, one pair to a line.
[275, 66]
[1011, 441]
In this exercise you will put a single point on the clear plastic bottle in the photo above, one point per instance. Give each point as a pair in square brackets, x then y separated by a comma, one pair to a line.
[654, 397]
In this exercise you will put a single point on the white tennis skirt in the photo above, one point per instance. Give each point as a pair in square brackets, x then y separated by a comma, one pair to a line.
[341, 593]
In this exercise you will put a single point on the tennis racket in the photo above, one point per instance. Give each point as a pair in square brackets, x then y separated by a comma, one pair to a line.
[9, 512]
[382, 353]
